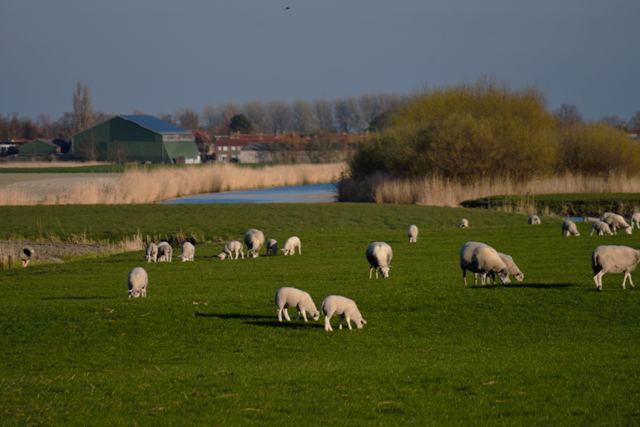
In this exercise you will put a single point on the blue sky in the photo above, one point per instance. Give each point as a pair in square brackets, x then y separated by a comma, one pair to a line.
[160, 55]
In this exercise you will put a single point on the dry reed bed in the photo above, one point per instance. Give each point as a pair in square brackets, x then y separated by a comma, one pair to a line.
[444, 192]
[148, 186]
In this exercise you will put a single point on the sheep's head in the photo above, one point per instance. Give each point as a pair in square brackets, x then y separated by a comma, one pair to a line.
[628, 230]
[361, 323]
[222, 255]
[504, 276]
[134, 293]
[253, 254]
[316, 315]
[519, 276]
[385, 272]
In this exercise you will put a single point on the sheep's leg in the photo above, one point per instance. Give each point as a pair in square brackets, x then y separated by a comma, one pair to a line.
[242, 254]
[327, 323]
[370, 272]
[286, 314]
[592, 231]
[299, 250]
[304, 315]
[348, 319]
[144, 292]
[624, 281]
[280, 314]
[631, 281]
[464, 277]
[598, 279]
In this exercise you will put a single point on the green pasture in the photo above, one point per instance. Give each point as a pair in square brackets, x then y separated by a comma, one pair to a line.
[205, 347]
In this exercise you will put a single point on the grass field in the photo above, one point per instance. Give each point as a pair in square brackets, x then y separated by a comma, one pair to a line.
[205, 347]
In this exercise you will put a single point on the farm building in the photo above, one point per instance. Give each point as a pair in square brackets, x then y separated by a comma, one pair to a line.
[136, 138]
[38, 148]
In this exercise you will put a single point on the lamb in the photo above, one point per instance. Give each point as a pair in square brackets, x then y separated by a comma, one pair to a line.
[290, 246]
[614, 259]
[511, 266]
[345, 308]
[601, 228]
[152, 252]
[464, 223]
[412, 233]
[616, 221]
[138, 281]
[635, 220]
[534, 220]
[481, 258]
[254, 239]
[569, 228]
[231, 249]
[379, 255]
[188, 251]
[165, 252]
[272, 247]
[301, 300]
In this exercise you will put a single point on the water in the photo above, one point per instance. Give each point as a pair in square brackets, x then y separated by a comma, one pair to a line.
[314, 193]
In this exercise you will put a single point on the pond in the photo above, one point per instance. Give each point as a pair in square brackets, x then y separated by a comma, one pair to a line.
[313, 193]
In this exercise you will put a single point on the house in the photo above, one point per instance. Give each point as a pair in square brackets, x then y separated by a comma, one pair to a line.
[136, 138]
[228, 148]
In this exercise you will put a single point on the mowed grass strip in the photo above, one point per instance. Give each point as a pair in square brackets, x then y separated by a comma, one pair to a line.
[205, 346]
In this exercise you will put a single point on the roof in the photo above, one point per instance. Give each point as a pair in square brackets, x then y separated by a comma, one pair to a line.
[154, 124]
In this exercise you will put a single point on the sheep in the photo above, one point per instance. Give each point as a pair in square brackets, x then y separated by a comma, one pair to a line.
[511, 266]
[534, 220]
[601, 228]
[26, 255]
[569, 228]
[165, 252]
[481, 258]
[272, 247]
[254, 239]
[412, 233]
[301, 300]
[616, 221]
[152, 252]
[379, 255]
[345, 308]
[290, 246]
[464, 223]
[614, 259]
[138, 281]
[635, 220]
[231, 249]
[188, 251]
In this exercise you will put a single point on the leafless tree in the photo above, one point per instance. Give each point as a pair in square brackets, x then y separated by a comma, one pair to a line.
[634, 122]
[568, 114]
[187, 118]
[280, 114]
[257, 114]
[82, 107]
[324, 114]
[304, 118]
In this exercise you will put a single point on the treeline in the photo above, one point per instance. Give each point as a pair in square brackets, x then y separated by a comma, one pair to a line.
[488, 130]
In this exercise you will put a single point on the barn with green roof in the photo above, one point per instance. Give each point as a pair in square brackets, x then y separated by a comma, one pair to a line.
[136, 138]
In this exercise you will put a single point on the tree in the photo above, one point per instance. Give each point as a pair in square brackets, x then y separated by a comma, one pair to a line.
[568, 115]
[634, 122]
[187, 118]
[613, 120]
[240, 123]
[304, 118]
[82, 107]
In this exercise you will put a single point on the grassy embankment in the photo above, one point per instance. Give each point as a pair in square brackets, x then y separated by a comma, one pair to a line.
[205, 347]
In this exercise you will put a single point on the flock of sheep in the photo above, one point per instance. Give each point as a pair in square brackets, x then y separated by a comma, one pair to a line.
[476, 257]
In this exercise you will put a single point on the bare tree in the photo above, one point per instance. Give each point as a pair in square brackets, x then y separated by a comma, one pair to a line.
[82, 107]
[568, 114]
[304, 118]
[257, 114]
[634, 122]
[187, 118]
[613, 120]
[324, 114]
[280, 114]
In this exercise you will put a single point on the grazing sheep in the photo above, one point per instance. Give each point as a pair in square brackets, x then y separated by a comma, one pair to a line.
[616, 221]
[569, 228]
[165, 252]
[601, 228]
[254, 239]
[188, 251]
[413, 233]
[343, 307]
[481, 258]
[272, 247]
[511, 266]
[231, 249]
[379, 255]
[138, 281]
[290, 246]
[26, 255]
[635, 220]
[301, 300]
[534, 220]
[464, 223]
[614, 259]
[152, 252]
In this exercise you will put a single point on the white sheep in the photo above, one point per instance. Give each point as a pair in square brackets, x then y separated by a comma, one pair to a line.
[232, 249]
[635, 220]
[272, 247]
[152, 252]
[569, 228]
[188, 251]
[614, 259]
[464, 223]
[301, 300]
[345, 308]
[601, 228]
[254, 239]
[478, 257]
[616, 221]
[165, 252]
[379, 255]
[534, 220]
[412, 233]
[138, 281]
[290, 246]
[511, 266]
